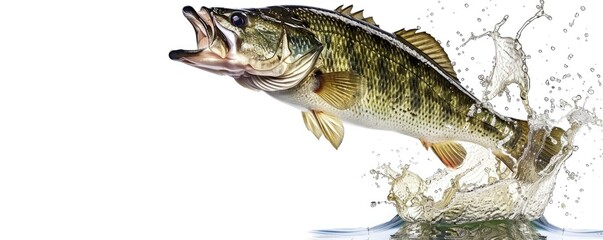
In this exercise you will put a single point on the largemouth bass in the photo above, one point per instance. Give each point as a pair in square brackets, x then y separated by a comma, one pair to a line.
[340, 66]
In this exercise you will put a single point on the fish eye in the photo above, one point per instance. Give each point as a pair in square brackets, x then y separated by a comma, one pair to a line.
[238, 19]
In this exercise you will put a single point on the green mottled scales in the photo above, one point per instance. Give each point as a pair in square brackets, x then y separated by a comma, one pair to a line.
[403, 93]
[401, 82]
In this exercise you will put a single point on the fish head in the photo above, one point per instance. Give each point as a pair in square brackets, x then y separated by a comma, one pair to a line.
[263, 49]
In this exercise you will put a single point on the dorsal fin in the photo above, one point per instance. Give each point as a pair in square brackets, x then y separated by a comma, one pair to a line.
[357, 15]
[428, 45]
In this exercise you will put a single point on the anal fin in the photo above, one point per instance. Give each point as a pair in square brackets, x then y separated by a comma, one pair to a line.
[451, 153]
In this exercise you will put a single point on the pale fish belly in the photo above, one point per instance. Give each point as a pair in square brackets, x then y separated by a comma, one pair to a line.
[303, 98]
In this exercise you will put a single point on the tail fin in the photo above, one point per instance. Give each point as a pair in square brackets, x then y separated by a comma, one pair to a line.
[546, 145]
[552, 146]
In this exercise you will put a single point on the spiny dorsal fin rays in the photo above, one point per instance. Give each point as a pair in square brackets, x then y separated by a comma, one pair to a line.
[340, 89]
[357, 15]
[345, 11]
[370, 20]
[428, 45]
[320, 123]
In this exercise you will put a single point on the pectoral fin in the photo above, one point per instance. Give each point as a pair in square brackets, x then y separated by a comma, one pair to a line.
[451, 153]
[340, 89]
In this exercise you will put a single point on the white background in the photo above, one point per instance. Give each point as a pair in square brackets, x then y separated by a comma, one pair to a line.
[103, 137]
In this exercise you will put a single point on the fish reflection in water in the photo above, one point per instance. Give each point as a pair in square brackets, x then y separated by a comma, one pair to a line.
[397, 229]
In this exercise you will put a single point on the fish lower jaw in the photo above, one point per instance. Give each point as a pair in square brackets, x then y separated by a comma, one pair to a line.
[210, 61]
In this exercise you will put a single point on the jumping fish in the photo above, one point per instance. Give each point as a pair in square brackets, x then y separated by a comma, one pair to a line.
[340, 66]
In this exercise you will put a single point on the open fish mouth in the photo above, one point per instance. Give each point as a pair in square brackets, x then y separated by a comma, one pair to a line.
[216, 46]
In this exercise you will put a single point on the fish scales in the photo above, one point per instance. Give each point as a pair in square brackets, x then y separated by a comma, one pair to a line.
[403, 92]
[339, 66]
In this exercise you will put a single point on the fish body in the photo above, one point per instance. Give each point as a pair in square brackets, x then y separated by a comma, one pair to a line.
[340, 66]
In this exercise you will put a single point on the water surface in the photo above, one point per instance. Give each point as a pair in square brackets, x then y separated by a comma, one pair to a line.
[397, 229]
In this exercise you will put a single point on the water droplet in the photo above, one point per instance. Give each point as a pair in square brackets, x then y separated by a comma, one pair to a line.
[566, 214]
[373, 204]
[592, 69]
[582, 8]
[585, 34]
[565, 65]
[539, 50]
[581, 190]
[565, 30]
[466, 5]
[507, 108]
[577, 98]
[591, 91]
[479, 19]
[546, 99]
[563, 205]
[576, 15]
[480, 77]
[552, 48]
[570, 56]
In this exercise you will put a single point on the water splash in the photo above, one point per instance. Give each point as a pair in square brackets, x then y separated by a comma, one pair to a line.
[510, 62]
[483, 189]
